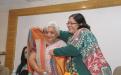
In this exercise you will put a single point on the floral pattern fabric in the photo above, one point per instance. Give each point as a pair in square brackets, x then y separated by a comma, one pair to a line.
[86, 43]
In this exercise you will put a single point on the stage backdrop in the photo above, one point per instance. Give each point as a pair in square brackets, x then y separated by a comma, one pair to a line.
[105, 24]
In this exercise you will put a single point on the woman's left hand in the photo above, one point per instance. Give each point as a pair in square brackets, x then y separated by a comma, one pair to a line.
[51, 52]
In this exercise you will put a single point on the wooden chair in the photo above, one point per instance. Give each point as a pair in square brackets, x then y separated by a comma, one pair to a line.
[4, 70]
[117, 71]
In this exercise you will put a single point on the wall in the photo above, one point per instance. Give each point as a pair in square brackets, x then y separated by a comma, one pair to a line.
[107, 30]
[3, 33]
[13, 4]
[105, 24]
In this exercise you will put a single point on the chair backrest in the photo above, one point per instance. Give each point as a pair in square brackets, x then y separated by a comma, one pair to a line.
[4, 70]
[117, 71]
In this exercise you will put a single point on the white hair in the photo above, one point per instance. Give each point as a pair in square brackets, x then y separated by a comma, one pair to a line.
[53, 24]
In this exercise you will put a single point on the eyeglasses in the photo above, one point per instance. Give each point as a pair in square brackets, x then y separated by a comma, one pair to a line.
[71, 23]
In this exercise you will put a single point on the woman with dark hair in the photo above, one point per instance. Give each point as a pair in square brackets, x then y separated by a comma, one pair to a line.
[22, 68]
[82, 47]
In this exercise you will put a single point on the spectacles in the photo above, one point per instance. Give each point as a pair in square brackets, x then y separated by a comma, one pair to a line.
[71, 23]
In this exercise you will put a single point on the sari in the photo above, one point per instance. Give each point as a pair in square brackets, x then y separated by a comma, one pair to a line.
[86, 43]
[36, 42]
[51, 64]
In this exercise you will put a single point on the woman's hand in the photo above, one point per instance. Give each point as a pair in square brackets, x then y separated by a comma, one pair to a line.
[41, 71]
[51, 52]
[39, 28]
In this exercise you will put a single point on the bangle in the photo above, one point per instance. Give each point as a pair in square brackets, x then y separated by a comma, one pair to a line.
[45, 73]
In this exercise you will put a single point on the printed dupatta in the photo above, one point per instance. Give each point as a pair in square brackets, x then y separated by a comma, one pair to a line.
[86, 43]
[36, 42]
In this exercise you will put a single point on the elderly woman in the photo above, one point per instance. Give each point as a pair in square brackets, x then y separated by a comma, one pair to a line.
[54, 65]
[83, 48]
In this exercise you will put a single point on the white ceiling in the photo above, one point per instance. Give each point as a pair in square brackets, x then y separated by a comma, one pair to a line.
[5, 2]
[16, 4]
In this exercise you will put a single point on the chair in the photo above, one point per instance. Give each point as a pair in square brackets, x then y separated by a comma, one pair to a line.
[4, 70]
[117, 71]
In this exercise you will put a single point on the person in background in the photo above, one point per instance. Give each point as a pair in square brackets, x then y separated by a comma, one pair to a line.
[22, 68]
[54, 65]
[83, 48]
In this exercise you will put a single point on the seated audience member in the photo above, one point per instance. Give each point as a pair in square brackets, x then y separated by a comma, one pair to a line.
[22, 68]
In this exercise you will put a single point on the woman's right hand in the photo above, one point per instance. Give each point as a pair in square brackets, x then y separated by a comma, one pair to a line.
[40, 28]
[40, 71]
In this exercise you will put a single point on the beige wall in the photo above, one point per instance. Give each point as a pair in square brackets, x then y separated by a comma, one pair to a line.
[4, 25]
[3, 33]
[4, 11]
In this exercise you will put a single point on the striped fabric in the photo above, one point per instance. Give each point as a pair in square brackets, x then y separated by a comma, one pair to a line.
[36, 43]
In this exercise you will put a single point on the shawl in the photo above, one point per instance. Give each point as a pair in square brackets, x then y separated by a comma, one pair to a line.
[86, 43]
[36, 42]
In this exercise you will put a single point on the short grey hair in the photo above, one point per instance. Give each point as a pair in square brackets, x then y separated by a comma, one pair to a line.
[53, 24]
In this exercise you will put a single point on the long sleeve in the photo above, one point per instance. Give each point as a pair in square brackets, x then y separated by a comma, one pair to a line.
[74, 49]
[64, 35]
[68, 50]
